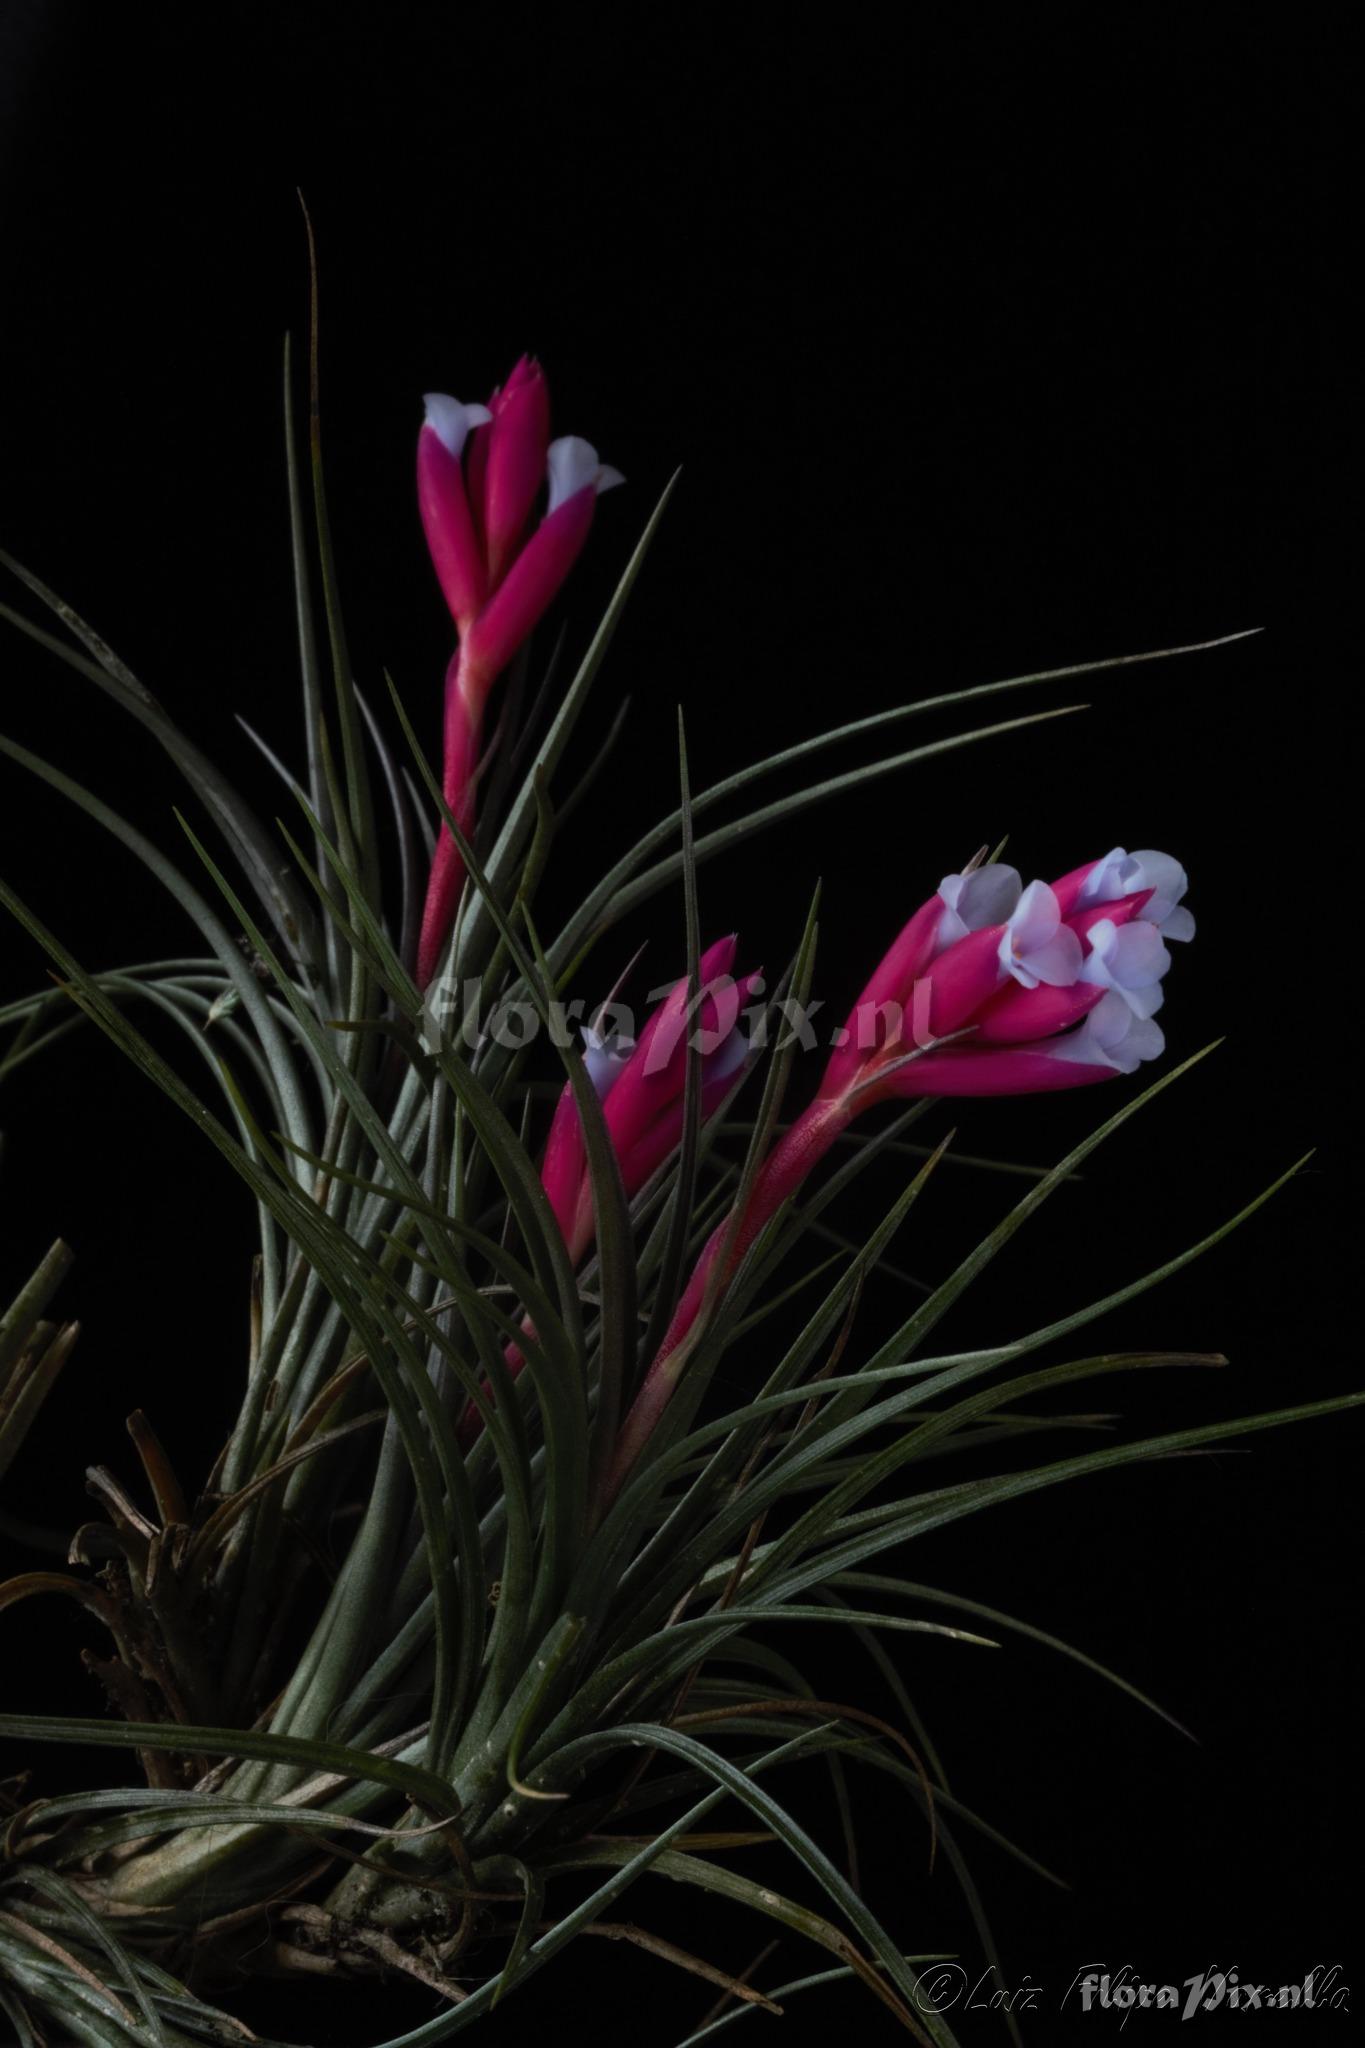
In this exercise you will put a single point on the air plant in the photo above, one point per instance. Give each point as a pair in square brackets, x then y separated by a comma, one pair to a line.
[535, 1354]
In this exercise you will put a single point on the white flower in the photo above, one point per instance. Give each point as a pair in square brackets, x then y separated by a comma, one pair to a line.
[572, 464]
[1123, 874]
[1110, 1036]
[1110, 878]
[1162, 873]
[984, 896]
[1036, 946]
[451, 422]
[1129, 959]
[604, 1057]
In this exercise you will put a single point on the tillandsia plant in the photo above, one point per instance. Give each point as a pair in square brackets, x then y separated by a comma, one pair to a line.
[483, 1616]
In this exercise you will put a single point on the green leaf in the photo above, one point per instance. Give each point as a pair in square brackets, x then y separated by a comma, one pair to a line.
[261, 861]
[421, 1787]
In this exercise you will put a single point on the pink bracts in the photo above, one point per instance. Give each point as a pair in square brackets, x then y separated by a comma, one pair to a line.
[989, 989]
[479, 471]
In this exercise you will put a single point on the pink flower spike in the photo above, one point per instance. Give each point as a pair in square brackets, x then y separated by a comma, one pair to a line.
[718, 1006]
[534, 579]
[961, 1070]
[564, 1170]
[565, 1161]
[660, 1051]
[958, 983]
[792, 1159]
[529, 587]
[965, 904]
[444, 505]
[642, 1092]
[1048, 990]
[444, 885]
[517, 444]
[1019, 1016]
[475, 483]
[646, 1149]
[874, 1022]
[652, 1082]
[446, 880]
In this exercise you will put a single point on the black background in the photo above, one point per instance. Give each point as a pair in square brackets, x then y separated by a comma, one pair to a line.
[986, 344]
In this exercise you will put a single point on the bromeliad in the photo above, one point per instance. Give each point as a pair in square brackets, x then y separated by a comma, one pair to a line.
[389, 1666]
[641, 1089]
[479, 472]
[641, 1085]
[991, 988]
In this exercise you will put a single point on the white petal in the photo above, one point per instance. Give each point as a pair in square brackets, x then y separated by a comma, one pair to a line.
[1107, 880]
[1129, 960]
[1126, 1040]
[1144, 1002]
[1111, 1020]
[1035, 945]
[1096, 1038]
[1057, 961]
[1080, 1046]
[985, 897]
[572, 465]
[1146, 1040]
[604, 1059]
[1178, 924]
[1163, 873]
[450, 421]
[1135, 956]
[1035, 917]
[988, 895]
[1111, 1036]
[1100, 940]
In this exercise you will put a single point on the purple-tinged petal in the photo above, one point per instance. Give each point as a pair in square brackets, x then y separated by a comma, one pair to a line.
[1035, 945]
[1129, 959]
[983, 896]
